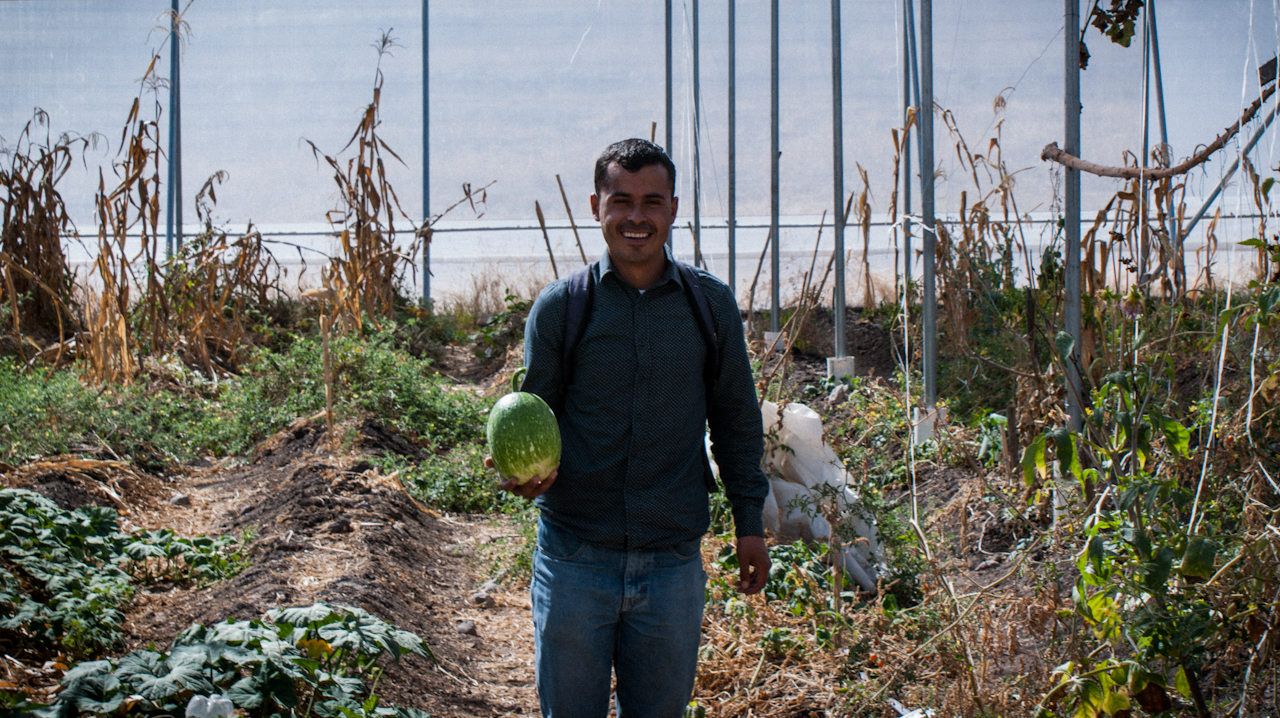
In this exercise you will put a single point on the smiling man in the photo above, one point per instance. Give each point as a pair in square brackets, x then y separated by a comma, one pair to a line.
[655, 357]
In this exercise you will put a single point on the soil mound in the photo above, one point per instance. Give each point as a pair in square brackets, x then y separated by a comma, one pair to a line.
[72, 482]
[335, 529]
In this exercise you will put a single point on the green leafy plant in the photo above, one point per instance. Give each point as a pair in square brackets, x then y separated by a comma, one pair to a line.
[64, 575]
[49, 412]
[313, 661]
[502, 329]
[1142, 554]
[456, 481]
[371, 376]
[161, 554]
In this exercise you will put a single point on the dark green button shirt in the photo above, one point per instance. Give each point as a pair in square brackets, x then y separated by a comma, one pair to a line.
[633, 471]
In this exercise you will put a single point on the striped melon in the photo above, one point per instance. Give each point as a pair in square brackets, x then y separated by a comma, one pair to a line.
[524, 439]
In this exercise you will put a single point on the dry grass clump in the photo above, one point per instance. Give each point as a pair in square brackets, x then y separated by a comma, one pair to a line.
[977, 642]
[490, 285]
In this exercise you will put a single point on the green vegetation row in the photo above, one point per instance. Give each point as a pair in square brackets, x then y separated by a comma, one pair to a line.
[182, 415]
[64, 575]
[315, 661]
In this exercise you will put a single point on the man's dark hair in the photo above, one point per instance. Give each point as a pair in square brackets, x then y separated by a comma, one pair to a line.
[632, 155]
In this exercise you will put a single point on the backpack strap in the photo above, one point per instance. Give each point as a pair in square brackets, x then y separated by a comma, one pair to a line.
[581, 286]
[706, 322]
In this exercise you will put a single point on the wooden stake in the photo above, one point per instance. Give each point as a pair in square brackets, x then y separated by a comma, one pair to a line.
[572, 224]
[751, 296]
[542, 222]
[328, 377]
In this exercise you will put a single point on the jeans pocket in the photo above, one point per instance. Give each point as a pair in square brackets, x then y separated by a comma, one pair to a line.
[686, 550]
[557, 544]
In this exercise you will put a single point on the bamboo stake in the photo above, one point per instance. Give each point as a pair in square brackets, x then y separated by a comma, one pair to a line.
[328, 378]
[572, 224]
[751, 297]
[542, 222]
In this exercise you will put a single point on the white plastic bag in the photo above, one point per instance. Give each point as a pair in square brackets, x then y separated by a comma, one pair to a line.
[801, 463]
[214, 706]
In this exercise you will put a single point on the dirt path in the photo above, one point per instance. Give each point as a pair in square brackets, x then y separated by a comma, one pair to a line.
[334, 529]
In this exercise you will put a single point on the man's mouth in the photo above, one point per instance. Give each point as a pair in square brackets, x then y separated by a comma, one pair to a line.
[636, 233]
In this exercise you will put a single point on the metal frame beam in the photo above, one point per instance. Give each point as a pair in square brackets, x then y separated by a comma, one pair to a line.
[1071, 206]
[426, 151]
[929, 329]
[837, 177]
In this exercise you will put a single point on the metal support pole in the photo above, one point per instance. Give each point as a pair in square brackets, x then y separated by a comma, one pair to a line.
[837, 176]
[697, 127]
[1170, 221]
[426, 153]
[775, 153]
[670, 149]
[908, 43]
[1071, 207]
[168, 214]
[733, 158]
[1144, 203]
[930, 297]
[910, 91]
[173, 222]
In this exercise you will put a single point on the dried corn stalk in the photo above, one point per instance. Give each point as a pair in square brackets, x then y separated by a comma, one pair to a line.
[36, 286]
[108, 343]
[365, 273]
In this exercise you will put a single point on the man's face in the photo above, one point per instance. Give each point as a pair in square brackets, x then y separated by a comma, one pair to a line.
[635, 211]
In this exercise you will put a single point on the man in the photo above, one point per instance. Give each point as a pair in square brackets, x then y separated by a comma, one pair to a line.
[617, 576]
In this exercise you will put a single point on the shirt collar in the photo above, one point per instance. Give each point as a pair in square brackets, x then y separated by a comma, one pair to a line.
[671, 273]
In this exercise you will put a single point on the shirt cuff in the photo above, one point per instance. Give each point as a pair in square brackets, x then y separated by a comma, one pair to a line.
[748, 517]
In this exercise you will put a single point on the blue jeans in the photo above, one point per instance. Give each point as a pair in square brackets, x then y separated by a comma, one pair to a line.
[637, 612]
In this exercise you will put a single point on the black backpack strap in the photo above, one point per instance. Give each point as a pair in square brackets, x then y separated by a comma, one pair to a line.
[706, 322]
[581, 287]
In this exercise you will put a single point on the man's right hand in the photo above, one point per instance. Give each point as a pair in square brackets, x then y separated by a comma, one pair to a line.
[531, 489]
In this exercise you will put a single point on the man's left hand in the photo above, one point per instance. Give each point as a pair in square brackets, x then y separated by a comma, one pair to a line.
[753, 562]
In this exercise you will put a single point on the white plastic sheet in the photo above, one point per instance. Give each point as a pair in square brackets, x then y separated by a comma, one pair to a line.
[800, 464]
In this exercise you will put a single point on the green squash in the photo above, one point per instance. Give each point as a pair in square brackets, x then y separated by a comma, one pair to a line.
[524, 438]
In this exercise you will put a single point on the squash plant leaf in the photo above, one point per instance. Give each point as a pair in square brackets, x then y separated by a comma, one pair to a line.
[1097, 553]
[1197, 560]
[1158, 570]
[245, 693]
[1033, 460]
[1181, 683]
[180, 676]
[1176, 436]
[1064, 444]
[313, 616]
[142, 550]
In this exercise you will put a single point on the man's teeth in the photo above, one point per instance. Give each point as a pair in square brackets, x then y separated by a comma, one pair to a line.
[635, 235]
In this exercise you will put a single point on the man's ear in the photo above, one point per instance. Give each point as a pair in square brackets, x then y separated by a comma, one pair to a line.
[675, 205]
[595, 206]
